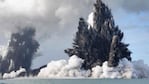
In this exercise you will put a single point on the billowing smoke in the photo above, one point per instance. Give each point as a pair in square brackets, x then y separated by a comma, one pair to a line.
[71, 68]
[21, 49]
[63, 68]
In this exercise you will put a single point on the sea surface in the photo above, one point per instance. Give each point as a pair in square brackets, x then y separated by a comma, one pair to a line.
[75, 81]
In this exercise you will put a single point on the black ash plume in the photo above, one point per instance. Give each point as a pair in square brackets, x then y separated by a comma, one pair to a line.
[22, 47]
[99, 43]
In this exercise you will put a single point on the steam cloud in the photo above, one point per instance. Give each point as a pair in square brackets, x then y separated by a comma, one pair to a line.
[71, 68]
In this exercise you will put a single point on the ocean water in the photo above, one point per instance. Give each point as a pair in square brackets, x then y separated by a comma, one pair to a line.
[75, 81]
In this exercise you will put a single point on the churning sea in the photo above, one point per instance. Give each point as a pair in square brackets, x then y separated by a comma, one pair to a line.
[75, 81]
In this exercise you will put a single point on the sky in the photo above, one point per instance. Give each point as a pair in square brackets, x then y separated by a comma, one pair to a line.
[56, 22]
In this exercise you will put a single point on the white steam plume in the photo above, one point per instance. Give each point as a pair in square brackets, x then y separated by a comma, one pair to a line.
[3, 52]
[13, 74]
[63, 68]
[90, 20]
[72, 68]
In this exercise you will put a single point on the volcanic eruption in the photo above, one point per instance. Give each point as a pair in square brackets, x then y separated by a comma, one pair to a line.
[99, 40]
[98, 52]
[21, 49]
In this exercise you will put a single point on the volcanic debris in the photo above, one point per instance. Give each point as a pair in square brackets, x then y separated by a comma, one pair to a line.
[100, 42]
